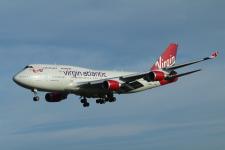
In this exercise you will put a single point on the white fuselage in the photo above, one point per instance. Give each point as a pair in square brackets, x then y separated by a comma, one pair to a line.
[62, 78]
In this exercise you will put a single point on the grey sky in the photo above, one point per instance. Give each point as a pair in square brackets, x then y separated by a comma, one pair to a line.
[121, 35]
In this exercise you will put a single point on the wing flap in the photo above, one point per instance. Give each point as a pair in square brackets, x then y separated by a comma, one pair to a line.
[132, 77]
[130, 86]
[128, 82]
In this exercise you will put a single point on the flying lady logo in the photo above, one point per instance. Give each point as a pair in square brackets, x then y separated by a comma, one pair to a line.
[37, 70]
[161, 63]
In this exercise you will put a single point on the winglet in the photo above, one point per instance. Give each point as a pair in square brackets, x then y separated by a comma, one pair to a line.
[214, 55]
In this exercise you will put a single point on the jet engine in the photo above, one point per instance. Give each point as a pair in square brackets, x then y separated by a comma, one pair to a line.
[55, 97]
[155, 76]
[111, 85]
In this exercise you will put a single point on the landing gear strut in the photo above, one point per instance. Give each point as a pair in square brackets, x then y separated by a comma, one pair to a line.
[111, 98]
[84, 101]
[36, 97]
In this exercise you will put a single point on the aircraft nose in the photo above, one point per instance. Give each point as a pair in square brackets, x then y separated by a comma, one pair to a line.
[19, 78]
[16, 79]
[22, 79]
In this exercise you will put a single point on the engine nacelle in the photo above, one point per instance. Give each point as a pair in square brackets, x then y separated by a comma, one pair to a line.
[55, 97]
[155, 76]
[111, 85]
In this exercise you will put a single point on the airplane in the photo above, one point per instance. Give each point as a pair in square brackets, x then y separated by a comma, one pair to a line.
[61, 80]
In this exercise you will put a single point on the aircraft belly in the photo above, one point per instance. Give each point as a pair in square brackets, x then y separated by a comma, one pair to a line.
[51, 85]
[90, 93]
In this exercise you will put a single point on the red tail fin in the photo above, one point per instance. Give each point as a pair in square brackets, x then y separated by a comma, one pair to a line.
[167, 58]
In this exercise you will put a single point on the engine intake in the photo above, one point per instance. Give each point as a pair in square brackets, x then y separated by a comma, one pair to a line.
[55, 97]
[155, 76]
[111, 85]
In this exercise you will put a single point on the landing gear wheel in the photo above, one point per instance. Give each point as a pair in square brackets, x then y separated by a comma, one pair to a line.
[86, 104]
[98, 101]
[36, 98]
[113, 99]
[102, 101]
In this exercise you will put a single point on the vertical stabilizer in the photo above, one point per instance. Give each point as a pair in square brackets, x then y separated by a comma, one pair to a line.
[168, 57]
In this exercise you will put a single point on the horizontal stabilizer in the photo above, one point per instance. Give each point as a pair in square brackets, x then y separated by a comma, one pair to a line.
[180, 75]
[212, 56]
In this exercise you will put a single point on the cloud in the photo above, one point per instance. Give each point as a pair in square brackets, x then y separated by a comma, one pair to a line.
[120, 131]
[121, 35]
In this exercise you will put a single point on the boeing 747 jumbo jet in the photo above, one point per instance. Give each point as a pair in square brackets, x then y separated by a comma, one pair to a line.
[61, 80]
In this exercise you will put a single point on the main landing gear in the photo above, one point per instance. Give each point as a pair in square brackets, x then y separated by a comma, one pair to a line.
[84, 102]
[36, 97]
[104, 100]
[109, 98]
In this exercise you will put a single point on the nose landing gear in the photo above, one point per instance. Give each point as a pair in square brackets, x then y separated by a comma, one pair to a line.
[36, 97]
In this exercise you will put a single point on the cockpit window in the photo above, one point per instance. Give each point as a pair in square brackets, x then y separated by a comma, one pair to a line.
[28, 67]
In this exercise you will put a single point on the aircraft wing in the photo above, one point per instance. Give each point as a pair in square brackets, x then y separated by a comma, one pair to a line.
[212, 56]
[128, 82]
